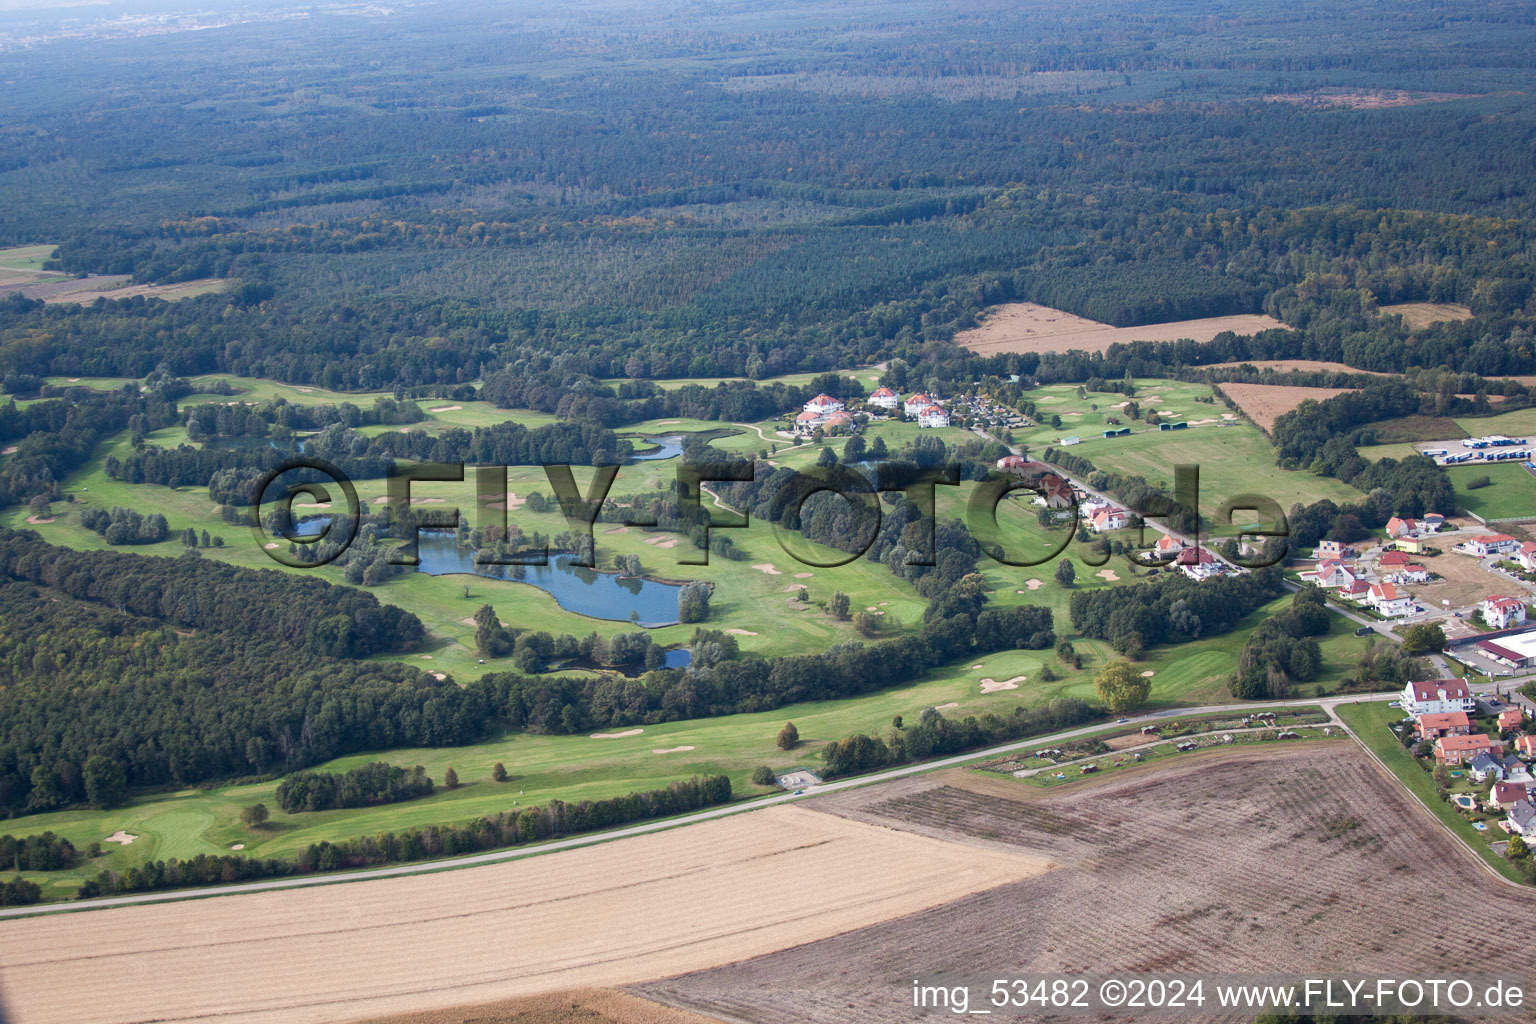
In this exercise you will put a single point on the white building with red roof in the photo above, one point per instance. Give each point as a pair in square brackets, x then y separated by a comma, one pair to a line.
[1393, 560]
[1198, 563]
[1108, 519]
[933, 416]
[1501, 612]
[1487, 544]
[1437, 696]
[916, 404]
[1401, 527]
[1388, 601]
[1526, 556]
[884, 398]
[1168, 545]
[823, 405]
[1329, 574]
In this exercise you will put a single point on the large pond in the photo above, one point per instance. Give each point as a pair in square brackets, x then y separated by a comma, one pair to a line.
[668, 446]
[601, 595]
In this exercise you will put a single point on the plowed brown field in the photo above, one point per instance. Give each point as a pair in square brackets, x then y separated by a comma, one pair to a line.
[1028, 327]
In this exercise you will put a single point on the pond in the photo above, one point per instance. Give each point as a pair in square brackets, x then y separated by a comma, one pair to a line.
[600, 595]
[668, 446]
[252, 443]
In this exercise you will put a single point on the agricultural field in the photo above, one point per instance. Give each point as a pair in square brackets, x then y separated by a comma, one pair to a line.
[1419, 315]
[1274, 858]
[1298, 365]
[1028, 327]
[188, 822]
[1265, 403]
[1510, 494]
[21, 270]
[601, 915]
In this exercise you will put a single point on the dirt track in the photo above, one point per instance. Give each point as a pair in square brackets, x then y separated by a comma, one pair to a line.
[612, 914]
[1027, 327]
[1281, 858]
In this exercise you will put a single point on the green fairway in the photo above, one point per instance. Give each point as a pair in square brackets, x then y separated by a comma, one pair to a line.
[1510, 494]
[1372, 722]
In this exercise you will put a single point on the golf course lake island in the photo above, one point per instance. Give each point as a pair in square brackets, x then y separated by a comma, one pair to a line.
[668, 446]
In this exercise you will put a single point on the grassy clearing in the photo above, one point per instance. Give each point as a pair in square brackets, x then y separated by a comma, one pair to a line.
[1372, 723]
[1519, 423]
[26, 257]
[1511, 492]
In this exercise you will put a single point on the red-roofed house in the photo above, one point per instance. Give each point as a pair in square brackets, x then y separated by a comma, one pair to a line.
[822, 405]
[1331, 574]
[1198, 563]
[1432, 522]
[1398, 527]
[1058, 493]
[1511, 718]
[1525, 746]
[1357, 591]
[1409, 574]
[933, 416]
[1506, 794]
[1457, 749]
[1388, 602]
[1429, 696]
[1393, 560]
[1501, 612]
[1012, 462]
[1109, 519]
[916, 404]
[1526, 556]
[1167, 545]
[885, 398]
[1487, 544]
[1444, 723]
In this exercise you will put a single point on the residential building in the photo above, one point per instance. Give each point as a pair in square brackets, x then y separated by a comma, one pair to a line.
[1432, 522]
[1526, 556]
[1167, 546]
[1507, 794]
[1444, 723]
[1409, 574]
[1399, 527]
[1501, 612]
[1392, 561]
[1511, 718]
[1332, 574]
[1058, 493]
[1331, 550]
[916, 404]
[1388, 601]
[1411, 543]
[1485, 766]
[1518, 772]
[1198, 563]
[1012, 463]
[823, 405]
[1357, 591]
[1522, 820]
[1487, 544]
[1429, 696]
[1456, 750]
[884, 398]
[1109, 519]
[1525, 746]
[933, 416]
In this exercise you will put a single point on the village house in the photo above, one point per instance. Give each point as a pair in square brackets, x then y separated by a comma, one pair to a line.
[1526, 556]
[1501, 612]
[1388, 601]
[1432, 696]
[1332, 550]
[1409, 574]
[884, 398]
[1410, 543]
[1331, 574]
[1109, 519]
[1012, 463]
[1392, 561]
[933, 416]
[1198, 564]
[1432, 522]
[1487, 544]
[1444, 723]
[1358, 591]
[1511, 718]
[1518, 772]
[1507, 794]
[916, 404]
[1485, 766]
[1455, 750]
[1525, 746]
[1167, 546]
[1400, 527]
[823, 405]
[1522, 820]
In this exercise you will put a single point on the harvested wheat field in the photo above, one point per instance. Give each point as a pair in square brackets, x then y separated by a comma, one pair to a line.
[1290, 858]
[1303, 365]
[1419, 315]
[1265, 403]
[1027, 327]
[621, 912]
[580, 1006]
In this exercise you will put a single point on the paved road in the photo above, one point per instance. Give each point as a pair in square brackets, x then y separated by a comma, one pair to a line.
[656, 826]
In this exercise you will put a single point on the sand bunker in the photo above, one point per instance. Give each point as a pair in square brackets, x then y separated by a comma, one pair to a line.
[506, 501]
[425, 657]
[467, 622]
[616, 735]
[121, 837]
[1033, 584]
[1109, 575]
[1148, 674]
[270, 546]
[669, 750]
[993, 685]
[8, 450]
[733, 631]
[979, 664]
[767, 568]
[447, 408]
[804, 575]
[237, 846]
[793, 587]
[667, 423]
[618, 529]
[439, 676]
[946, 707]
[43, 520]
